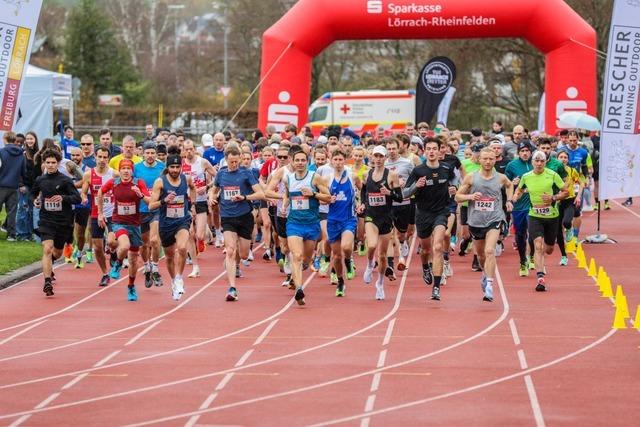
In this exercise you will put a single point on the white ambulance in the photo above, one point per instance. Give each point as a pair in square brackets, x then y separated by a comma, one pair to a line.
[364, 110]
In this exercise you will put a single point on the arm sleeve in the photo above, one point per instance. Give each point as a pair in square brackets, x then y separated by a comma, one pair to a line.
[108, 186]
[143, 188]
[396, 195]
[363, 193]
[410, 186]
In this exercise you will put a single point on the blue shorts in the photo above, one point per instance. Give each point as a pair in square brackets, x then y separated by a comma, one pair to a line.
[148, 218]
[336, 228]
[133, 231]
[305, 231]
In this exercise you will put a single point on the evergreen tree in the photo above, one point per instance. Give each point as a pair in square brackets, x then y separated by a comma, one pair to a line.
[93, 53]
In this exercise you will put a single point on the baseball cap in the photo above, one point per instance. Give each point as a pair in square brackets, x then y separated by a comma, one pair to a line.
[322, 139]
[379, 149]
[149, 145]
[173, 159]
[207, 140]
[477, 148]
[524, 144]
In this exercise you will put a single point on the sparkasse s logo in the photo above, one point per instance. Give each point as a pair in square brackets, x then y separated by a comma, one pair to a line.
[374, 6]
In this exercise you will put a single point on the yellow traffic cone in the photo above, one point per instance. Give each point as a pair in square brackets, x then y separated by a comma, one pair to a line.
[619, 293]
[601, 277]
[606, 290]
[592, 268]
[571, 246]
[636, 323]
[618, 320]
[579, 251]
[582, 261]
[622, 305]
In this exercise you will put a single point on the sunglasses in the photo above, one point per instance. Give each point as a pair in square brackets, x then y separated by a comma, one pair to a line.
[86, 144]
[283, 157]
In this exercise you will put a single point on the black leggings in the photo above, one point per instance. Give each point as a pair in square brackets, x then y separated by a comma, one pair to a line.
[567, 211]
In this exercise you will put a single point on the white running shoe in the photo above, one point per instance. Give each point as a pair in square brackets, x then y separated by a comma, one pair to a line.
[404, 249]
[189, 261]
[219, 240]
[125, 263]
[174, 291]
[287, 266]
[247, 262]
[195, 272]
[250, 257]
[379, 291]
[499, 248]
[447, 269]
[179, 287]
[368, 273]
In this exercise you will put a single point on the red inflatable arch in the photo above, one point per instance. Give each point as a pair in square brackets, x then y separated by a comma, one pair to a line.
[311, 25]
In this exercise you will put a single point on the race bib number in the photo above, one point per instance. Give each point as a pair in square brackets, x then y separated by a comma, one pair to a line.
[175, 209]
[299, 203]
[126, 209]
[377, 199]
[229, 192]
[542, 210]
[52, 206]
[485, 205]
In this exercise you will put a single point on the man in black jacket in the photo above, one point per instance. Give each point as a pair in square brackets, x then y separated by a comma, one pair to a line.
[12, 174]
[55, 194]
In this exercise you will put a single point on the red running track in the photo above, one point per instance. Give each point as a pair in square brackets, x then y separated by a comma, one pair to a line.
[89, 357]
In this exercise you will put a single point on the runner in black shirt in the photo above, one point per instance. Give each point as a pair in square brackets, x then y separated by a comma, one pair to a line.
[431, 184]
[447, 157]
[55, 194]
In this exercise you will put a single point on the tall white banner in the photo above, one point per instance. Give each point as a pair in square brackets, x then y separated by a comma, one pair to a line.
[18, 21]
[620, 139]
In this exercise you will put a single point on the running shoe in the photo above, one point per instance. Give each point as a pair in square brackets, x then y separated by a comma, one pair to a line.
[259, 236]
[156, 278]
[340, 288]
[531, 263]
[147, 279]
[315, 266]
[189, 261]
[324, 268]
[362, 249]
[195, 272]
[568, 235]
[475, 265]
[402, 264]
[488, 293]
[427, 276]
[443, 280]
[132, 294]
[238, 272]
[250, 257]
[524, 270]
[115, 270]
[541, 285]
[447, 269]
[287, 281]
[483, 282]
[105, 280]
[368, 273]
[218, 242]
[404, 249]
[564, 260]
[267, 255]
[499, 248]
[79, 263]
[247, 262]
[628, 202]
[67, 252]
[48, 288]
[179, 287]
[76, 253]
[607, 206]
[351, 271]
[334, 278]
[435, 293]
[125, 263]
[390, 274]
[232, 294]
[286, 268]
[300, 296]
[281, 264]
[89, 257]
[379, 291]
[292, 285]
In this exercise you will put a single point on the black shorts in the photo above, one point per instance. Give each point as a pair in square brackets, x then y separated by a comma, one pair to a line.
[146, 219]
[60, 235]
[323, 216]
[280, 224]
[384, 223]
[464, 215]
[97, 232]
[480, 233]
[168, 235]
[202, 207]
[263, 204]
[543, 227]
[241, 225]
[426, 222]
[81, 216]
[401, 217]
[412, 214]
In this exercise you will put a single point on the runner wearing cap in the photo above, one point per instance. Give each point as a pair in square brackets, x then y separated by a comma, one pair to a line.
[172, 193]
[149, 170]
[432, 185]
[233, 189]
[381, 188]
[127, 194]
[55, 194]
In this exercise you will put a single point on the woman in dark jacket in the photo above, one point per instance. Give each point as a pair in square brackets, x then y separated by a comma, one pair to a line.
[24, 216]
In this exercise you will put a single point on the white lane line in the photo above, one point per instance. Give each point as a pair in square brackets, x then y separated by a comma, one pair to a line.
[224, 381]
[387, 335]
[209, 400]
[535, 405]
[47, 400]
[626, 208]
[375, 383]
[106, 359]
[19, 421]
[141, 334]
[514, 332]
[74, 381]
[365, 422]
[17, 334]
[522, 359]
[265, 332]
[23, 281]
[381, 358]
[368, 407]
[460, 391]
[244, 358]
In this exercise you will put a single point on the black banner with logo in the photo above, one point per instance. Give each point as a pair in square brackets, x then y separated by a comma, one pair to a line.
[434, 80]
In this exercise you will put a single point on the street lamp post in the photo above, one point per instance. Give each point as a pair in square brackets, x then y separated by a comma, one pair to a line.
[175, 8]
